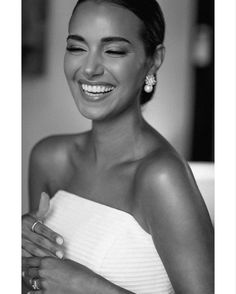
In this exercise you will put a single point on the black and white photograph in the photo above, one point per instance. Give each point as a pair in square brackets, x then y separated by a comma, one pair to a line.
[118, 147]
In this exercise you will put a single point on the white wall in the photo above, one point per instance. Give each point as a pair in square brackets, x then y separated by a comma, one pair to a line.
[48, 107]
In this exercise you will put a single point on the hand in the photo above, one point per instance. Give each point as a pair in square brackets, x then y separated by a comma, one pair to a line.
[43, 241]
[55, 276]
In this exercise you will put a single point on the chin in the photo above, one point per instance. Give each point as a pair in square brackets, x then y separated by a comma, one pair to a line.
[98, 111]
[93, 113]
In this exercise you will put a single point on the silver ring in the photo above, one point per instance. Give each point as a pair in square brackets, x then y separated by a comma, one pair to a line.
[35, 224]
[35, 284]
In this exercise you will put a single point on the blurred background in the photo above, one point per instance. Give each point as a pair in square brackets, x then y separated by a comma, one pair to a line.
[182, 109]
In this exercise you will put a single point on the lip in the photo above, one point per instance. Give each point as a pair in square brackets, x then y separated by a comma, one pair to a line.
[90, 83]
[95, 97]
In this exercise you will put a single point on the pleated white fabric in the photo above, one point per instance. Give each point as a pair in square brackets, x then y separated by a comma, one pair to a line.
[110, 242]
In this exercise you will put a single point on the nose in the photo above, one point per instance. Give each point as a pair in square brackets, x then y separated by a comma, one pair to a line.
[93, 66]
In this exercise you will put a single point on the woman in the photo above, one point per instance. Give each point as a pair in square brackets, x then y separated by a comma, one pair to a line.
[126, 215]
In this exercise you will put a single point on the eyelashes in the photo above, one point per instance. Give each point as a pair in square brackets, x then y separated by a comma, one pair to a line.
[75, 49]
[116, 52]
[108, 52]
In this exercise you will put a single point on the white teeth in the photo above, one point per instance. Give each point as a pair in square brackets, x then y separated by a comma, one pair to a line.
[96, 89]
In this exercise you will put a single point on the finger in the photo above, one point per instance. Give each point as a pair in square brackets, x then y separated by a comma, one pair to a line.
[27, 221]
[44, 206]
[44, 238]
[34, 249]
[41, 229]
[40, 246]
[29, 224]
[31, 262]
[49, 234]
[25, 253]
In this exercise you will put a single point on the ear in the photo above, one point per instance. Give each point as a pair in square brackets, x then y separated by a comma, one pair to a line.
[157, 59]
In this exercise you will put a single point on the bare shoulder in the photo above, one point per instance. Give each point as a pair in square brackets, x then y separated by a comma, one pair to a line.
[50, 153]
[165, 181]
[160, 163]
[176, 216]
[55, 149]
[161, 167]
[50, 163]
[50, 147]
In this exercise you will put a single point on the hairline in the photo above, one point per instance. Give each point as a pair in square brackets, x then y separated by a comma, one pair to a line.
[141, 30]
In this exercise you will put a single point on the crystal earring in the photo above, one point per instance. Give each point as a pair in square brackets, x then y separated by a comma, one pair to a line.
[150, 81]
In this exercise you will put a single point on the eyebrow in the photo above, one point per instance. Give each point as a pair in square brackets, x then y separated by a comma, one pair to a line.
[103, 40]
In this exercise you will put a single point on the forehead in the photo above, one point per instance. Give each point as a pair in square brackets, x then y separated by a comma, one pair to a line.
[105, 19]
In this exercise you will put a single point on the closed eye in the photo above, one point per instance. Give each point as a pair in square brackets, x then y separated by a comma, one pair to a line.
[75, 49]
[116, 52]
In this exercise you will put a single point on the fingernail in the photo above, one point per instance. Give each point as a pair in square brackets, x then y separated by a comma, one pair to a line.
[59, 254]
[59, 240]
[43, 194]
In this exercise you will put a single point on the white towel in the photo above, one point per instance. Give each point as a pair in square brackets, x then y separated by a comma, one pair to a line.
[110, 242]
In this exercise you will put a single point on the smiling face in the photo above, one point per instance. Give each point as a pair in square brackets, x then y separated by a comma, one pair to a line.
[105, 61]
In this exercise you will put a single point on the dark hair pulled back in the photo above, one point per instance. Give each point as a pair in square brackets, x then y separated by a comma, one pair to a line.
[153, 33]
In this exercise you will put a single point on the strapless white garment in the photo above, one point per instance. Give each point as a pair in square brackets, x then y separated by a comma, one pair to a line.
[110, 242]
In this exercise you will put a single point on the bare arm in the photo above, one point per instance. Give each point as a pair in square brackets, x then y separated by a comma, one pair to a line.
[38, 173]
[66, 275]
[180, 225]
[42, 242]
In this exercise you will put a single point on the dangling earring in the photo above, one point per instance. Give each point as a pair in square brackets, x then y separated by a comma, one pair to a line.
[150, 81]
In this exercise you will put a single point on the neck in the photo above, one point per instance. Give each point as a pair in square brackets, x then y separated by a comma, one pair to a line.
[117, 140]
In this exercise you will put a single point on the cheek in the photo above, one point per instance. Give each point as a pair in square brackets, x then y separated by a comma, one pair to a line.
[70, 66]
[66, 66]
[129, 72]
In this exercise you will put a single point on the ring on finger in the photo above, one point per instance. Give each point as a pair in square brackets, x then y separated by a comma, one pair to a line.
[35, 224]
[35, 283]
